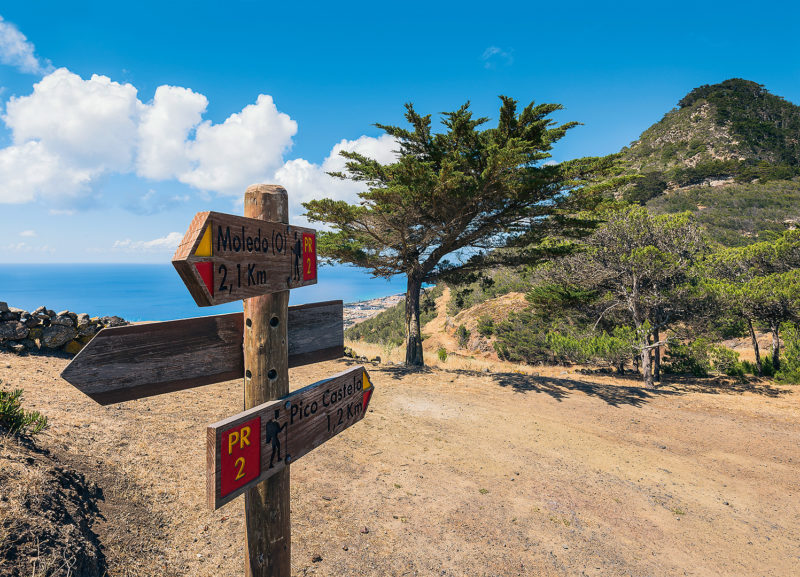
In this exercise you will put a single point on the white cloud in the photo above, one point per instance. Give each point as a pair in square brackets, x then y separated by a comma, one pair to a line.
[164, 131]
[167, 243]
[28, 233]
[90, 124]
[29, 171]
[71, 133]
[495, 55]
[245, 149]
[25, 247]
[306, 181]
[15, 50]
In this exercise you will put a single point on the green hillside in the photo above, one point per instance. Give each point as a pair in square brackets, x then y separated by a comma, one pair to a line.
[729, 152]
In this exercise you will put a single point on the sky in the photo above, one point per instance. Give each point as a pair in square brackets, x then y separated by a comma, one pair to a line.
[120, 120]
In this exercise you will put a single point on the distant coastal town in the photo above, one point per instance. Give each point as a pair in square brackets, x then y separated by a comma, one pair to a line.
[360, 311]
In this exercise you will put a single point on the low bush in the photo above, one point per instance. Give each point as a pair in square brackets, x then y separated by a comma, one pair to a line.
[17, 421]
[442, 354]
[790, 361]
[462, 334]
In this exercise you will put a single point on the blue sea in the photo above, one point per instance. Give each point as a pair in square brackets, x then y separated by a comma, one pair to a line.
[155, 292]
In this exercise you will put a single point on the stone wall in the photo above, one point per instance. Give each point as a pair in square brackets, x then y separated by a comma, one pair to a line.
[45, 330]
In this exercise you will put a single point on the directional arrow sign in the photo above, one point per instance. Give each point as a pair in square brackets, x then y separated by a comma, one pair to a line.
[135, 361]
[224, 258]
[255, 444]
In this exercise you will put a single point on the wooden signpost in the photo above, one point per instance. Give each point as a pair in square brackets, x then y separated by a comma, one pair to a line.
[135, 361]
[258, 258]
[224, 258]
[258, 443]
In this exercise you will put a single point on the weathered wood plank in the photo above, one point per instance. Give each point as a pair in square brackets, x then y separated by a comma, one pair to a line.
[131, 362]
[286, 429]
[224, 257]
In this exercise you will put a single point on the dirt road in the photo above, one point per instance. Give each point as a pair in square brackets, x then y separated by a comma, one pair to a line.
[459, 474]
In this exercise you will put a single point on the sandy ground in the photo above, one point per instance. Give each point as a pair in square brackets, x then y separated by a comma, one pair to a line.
[456, 473]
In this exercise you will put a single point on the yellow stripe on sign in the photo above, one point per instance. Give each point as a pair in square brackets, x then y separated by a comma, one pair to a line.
[366, 384]
[204, 248]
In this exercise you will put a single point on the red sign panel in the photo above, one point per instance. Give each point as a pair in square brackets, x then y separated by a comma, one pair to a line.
[309, 256]
[241, 455]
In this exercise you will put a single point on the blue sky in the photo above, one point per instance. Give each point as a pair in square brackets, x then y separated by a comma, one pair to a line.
[121, 120]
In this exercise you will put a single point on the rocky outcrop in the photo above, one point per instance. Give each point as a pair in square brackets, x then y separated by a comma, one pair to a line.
[44, 329]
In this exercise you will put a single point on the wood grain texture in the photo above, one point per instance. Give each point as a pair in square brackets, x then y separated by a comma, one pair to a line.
[135, 361]
[266, 363]
[250, 257]
[312, 415]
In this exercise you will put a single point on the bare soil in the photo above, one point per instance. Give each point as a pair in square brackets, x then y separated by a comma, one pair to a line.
[456, 472]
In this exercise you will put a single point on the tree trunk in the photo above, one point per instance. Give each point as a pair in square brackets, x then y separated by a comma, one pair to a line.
[413, 334]
[755, 346]
[647, 376]
[621, 368]
[656, 358]
[776, 347]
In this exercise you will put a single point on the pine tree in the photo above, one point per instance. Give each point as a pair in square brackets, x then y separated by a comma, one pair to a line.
[465, 192]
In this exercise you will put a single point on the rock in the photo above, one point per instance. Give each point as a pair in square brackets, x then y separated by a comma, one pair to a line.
[18, 348]
[13, 330]
[50, 313]
[10, 316]
[84, 339]
[375, 360]
[485, 370]
[35, 333]
[73, 347]
[316, 558]
[89, 330]
[40, 310]
[30, 344]
[63, 320]
[82, 320]
[57, 336]
[114, 321]
[3, 307]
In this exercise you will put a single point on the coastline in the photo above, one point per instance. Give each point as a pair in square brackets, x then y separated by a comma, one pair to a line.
[359, 311]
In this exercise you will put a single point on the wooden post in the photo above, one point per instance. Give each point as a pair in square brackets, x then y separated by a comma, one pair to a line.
[266, 363]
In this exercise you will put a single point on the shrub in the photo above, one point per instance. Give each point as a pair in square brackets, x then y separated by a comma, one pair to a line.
[16, 420]
[442, 354]
[726, 361]
[687, 358]
[462, 334]
[790, 363]
[766, 366]
[486, 326]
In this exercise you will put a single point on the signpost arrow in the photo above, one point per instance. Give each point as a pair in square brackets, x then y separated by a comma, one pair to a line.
[250, 447]
[135, 361]
[224, 258]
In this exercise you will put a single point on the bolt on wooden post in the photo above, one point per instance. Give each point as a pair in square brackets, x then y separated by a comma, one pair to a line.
[266, 377]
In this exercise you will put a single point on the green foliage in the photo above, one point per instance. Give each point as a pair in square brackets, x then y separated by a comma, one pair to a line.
[726, 361]
[462, 334]
[688, 358]
[442, 354]
[735, 215]
[790, 362]
[468, 188]
[766, 124]
[17, 421]
[485, 326]
[388, 327]
[650, 185]
[522, 338]
[492, 284]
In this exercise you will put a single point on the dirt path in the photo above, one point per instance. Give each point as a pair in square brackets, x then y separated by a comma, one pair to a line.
[460, 474]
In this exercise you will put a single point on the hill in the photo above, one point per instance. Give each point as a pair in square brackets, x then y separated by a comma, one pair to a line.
[730, 152]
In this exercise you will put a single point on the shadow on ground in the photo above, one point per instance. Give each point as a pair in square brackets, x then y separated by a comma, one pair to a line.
[559, 388]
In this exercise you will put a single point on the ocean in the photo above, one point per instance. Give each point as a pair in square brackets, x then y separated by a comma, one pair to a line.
[155, 292]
